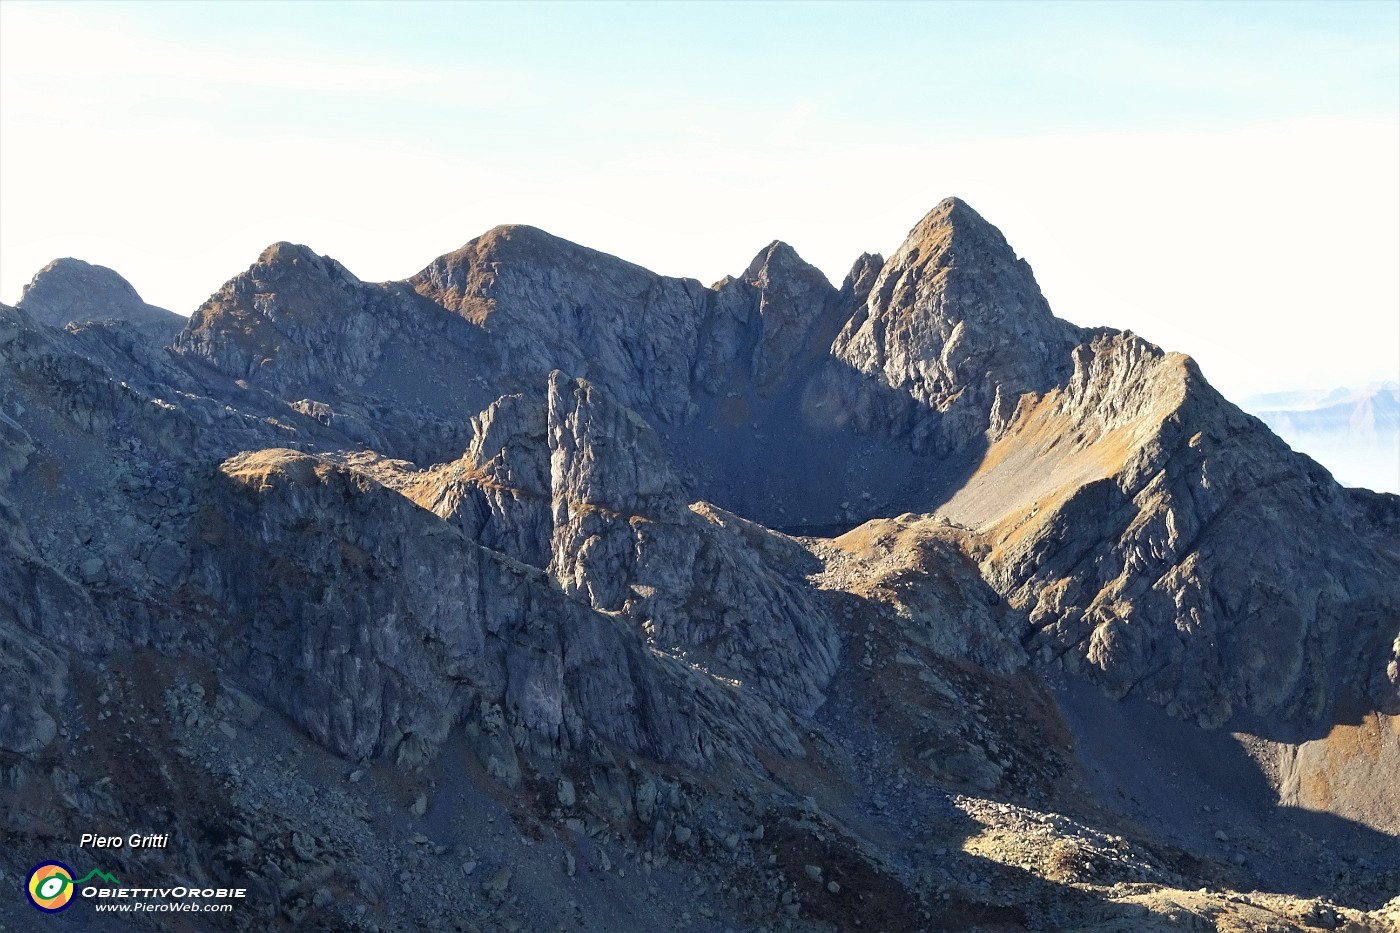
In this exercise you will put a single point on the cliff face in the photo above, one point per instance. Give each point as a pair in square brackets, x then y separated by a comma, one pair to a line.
[520, 526]
[955, 321]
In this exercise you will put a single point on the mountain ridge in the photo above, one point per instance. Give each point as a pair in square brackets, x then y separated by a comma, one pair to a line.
[508, 537]
[954, 331]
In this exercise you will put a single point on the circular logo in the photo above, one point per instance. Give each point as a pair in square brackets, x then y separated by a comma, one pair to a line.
[50, 886]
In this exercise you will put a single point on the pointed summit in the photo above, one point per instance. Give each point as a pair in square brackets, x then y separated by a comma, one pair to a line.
[954, 211]
[861, 279]
[794, 298]
[953, 227]
[288, 285]
[778, 260]
[956, 320]
[966, 271]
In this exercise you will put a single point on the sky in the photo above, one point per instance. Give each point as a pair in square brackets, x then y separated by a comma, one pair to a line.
[1221, 178]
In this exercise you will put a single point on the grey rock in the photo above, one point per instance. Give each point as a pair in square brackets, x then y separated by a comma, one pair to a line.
[954, 321]
[68, 291]
[500, 881]
[644, 800]
[167, 563]
[33, 685]
[93, 570]
[391, 514]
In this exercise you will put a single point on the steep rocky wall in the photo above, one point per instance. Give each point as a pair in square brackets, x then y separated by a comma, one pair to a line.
[374, 624]
[1155, 532]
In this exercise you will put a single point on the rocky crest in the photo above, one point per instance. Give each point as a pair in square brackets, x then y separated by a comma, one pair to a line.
[804, 606]
[957, 322]
[70, 291]
[1162, 479]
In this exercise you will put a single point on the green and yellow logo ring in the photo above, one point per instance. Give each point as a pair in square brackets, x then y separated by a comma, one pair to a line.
[50, 887]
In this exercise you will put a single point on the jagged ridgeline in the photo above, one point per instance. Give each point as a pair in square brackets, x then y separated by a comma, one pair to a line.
[808, 606]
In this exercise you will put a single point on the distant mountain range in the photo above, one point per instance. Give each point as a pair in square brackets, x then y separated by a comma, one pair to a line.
[1353, 432]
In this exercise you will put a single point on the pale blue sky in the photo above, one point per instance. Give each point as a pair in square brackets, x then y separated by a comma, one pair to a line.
[1221, 177]
[547, 71]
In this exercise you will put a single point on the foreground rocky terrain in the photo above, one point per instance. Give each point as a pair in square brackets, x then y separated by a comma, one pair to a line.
[540, 592]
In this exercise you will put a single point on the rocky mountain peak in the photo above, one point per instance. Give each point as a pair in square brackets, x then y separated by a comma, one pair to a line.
[107, 283]
[958, 323]
[284, 258]
[954, 228]
[510, 258]
[283, 251]
[861, 279]
[493, 541]
[954, 236]
[293, 317]
[954, 212]
[518, 244]
[70, 290]
[519, 241]
[778, 260]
